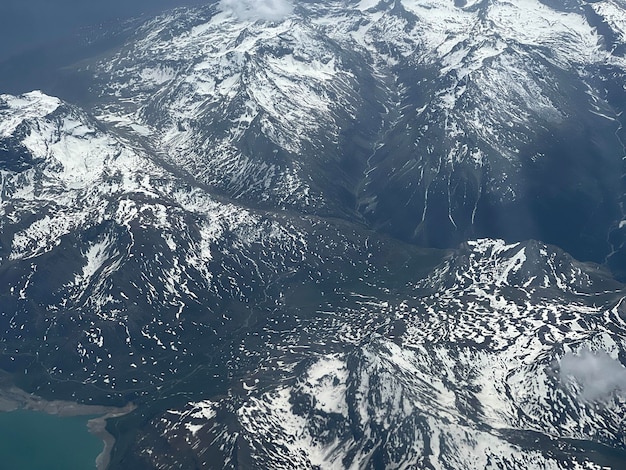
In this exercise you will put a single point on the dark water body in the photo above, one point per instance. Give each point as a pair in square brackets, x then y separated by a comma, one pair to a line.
[31, 440]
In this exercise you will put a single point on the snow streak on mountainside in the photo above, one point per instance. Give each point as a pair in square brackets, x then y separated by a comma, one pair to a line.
[433, 120]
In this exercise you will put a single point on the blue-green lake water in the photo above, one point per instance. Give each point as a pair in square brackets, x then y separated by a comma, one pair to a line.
[31, 440]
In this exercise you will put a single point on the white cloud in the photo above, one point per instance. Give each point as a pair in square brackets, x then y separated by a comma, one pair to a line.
[267, 10]
[596, 373]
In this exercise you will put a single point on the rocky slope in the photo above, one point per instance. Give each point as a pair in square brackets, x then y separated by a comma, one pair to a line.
[505, 355]
[111, 263]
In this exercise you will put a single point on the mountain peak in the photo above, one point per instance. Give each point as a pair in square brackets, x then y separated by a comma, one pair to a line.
[16, 109]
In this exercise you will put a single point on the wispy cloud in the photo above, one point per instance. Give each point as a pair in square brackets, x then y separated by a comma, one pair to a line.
[267, 10]
[597, 374]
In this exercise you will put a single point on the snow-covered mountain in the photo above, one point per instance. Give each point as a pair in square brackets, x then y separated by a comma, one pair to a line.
[239, 228]
[435, 121]
[112, 262]
[485, 364]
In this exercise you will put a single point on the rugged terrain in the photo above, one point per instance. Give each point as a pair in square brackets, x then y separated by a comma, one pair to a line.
[279, 229]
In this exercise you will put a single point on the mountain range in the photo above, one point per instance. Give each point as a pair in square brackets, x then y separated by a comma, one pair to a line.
[326, 234]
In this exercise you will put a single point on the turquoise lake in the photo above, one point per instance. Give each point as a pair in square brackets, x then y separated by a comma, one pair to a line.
[32, 440]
